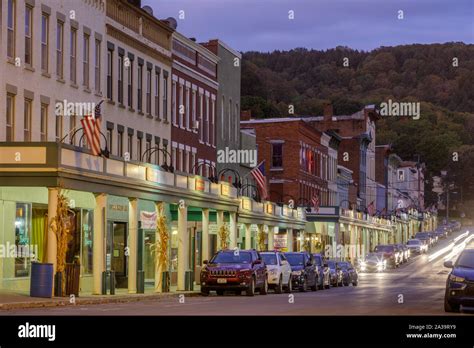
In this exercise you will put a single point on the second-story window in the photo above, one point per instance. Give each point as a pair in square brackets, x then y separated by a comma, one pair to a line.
[157, 94]
[130, 145]
[11, 23]
[28, 35]
[97, 66]
[44, 122]
[109, 73]
[73, 55]
[148, 91]
[120, 79]
[44, 42]
[173, 103]
[165, 97]
[193, 110]
[59, 49]
[277, 155]
[140, 88]
[120, 144]
[85, 62]
[10, 121]
[130, 85]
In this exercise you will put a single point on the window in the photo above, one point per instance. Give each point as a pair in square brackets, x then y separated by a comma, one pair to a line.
[193, 110]
[201, 119]
[212, 136]
[237, 123]
[277, 155]
[109, 74]
[157, 96]
[44, 122]
[27, 120]
[185, 161]
[97, 66]
[73, 55]
[222, 118]
[120, 79]
[85, 62]
[231, 121]
[72, 124]
[140, 88]
[44, 42]
[186, 106]
[120, 144]
[59, 49]
[59, 127]
[109, 139]
[139, 149]
[148, 91]
[87, 226]
[130, 145]
[181, 105]
[130, 85]
[10, 136]
[147, 148]
[28, 35]
[173, 103]
[11, 23]
[165, 97]
[22, 239]
[206, 137]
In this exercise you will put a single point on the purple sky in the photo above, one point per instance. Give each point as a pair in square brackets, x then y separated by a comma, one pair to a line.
[263, 25]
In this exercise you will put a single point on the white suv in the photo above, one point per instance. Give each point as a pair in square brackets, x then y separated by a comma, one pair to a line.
[278, 271]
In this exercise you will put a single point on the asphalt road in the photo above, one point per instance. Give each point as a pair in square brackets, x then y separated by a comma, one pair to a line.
[415, 288]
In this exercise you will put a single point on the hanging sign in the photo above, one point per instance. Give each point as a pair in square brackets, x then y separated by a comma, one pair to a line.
[148, 220]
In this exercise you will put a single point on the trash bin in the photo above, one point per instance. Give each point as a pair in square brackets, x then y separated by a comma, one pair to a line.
[140, 282]
[41, 281]
[112, 282]
[189, 281]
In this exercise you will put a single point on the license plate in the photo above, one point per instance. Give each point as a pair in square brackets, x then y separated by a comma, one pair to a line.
[221, 280]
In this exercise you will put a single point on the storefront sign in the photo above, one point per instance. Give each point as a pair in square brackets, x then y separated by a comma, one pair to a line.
[280, 241]
[225, 190]
[118, 207]
[270, 208]
[148, 220]
[200, 184]
[22, 155]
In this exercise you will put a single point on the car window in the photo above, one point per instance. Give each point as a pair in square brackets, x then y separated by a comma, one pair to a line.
[466, 260]
[231, 257]
[381, 248]
[318, 260]
[295, 259]
[283, 258]
[270, 259]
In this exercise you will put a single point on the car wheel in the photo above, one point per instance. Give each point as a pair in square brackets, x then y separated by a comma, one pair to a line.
[251, 289]
[315, 286]
[204, 292]
[279, 287]
[289, 287]
[304, 286]
[355, 282]
[449, 307]
[220, 292]
[264, 288]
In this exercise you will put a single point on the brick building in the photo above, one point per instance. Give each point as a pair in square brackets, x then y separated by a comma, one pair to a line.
[297, 161]
[193, 106]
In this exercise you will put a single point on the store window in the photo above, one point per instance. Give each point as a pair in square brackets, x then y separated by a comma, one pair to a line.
[87, 221]
[22, 239]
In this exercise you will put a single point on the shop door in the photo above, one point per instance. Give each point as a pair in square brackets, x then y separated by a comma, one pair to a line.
[149, 256]
[118, 257]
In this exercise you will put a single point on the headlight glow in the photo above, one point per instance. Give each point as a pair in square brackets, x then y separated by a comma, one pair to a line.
[456, 279]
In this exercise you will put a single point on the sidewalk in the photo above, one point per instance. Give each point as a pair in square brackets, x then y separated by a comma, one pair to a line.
[18, 299]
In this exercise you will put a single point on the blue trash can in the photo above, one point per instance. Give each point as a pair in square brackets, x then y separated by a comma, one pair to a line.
[41, 281]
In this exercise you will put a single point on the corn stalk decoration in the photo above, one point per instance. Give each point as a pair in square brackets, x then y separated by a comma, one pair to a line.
[261, 240]
[160, 247]
[61, 226]
[224, 235]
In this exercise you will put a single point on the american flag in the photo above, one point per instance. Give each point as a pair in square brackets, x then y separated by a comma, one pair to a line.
[315, 202]
[258, 174]
[371, 208]
[91, 127]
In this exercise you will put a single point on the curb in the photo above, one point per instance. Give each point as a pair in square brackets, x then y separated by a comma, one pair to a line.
[91, 301]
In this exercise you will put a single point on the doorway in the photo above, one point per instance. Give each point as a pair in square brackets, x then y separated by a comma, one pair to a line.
[117, 244]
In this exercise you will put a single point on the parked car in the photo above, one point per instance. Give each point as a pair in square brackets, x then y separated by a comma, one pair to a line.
[374, 262]
[460, 282]
[394, 255]
[441, 232]
[405, 251]
[349, 273]
[278, 271]
[323, 272]
[417, 246]
[303, 270]
[236, 271]
[335, 273]
[425, 238]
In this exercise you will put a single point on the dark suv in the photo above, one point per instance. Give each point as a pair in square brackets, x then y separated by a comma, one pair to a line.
[234, 270]
[323, 272]
[303, 270]
[460, 283]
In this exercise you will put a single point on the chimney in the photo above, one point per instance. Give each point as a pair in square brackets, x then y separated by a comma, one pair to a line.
[328, 112]
[245, 115]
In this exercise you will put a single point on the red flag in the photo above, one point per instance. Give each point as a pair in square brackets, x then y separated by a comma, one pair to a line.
[91, 128]
[315, 202]
[258, 174]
